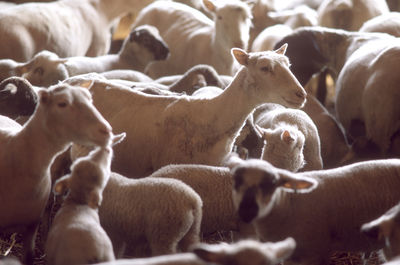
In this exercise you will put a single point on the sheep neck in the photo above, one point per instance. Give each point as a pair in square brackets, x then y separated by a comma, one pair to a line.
[221, 53]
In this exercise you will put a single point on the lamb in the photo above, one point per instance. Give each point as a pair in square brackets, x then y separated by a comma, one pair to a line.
[77, 224]
[292, 139]
[163, 214]
[184, 129]
[349, 14]
[223, 254]
[341, 199]
[193, 38]
[67, 28]
[64, 114]
[385, 228]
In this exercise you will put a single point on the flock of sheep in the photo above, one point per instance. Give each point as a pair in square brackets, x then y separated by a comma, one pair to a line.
[213, 116]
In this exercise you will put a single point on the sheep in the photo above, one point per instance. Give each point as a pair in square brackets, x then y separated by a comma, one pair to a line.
[260, 19]
[341, 201]
[335, 149]
[67, 28]
[292, 140]
[193, 38]
[184, 129]
[77, 224]
[387, 23]
[385, 228]
[349, 14]
[240, 253]
[267, 38]
[162, 214]
[64, 114]
[17, 97]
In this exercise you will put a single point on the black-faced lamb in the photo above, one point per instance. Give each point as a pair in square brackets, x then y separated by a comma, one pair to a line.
[322, 210]
[76, 236]
[193, 38]
[64, 114]
[241, 253]
[184, 129]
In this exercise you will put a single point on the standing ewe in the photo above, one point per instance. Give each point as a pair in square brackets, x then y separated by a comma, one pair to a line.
[322, 210]
[195, 39]
[183, 129]
[76, 236]
[64, 114]
[292, 140]
[67, 28]
[244, 252]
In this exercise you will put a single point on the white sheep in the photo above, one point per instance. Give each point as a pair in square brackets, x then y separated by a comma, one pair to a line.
[193, 38]
[292, 139]
[244, 252]
[387, 23]
[76, 236]
[385, 229]
[349, 14]
[322, 210]
[267, 38]
[64, 114]
[184, 129]
[67, 28]
[162, 214]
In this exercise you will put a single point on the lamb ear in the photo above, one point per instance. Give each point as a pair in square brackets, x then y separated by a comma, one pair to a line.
[282, 249]
[62, 184]
[117, 138]
[286, 137]
[282, 49]
[209, 5]
[296, 183]
[241, 56]
[87, 84]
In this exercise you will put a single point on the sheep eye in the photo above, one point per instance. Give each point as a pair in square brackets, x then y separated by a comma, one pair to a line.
[265, 69]
[39, 71]
[62, 104]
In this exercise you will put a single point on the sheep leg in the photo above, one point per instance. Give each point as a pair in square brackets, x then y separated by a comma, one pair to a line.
[28, 240]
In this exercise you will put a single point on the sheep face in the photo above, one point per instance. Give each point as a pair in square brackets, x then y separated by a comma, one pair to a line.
[148, 37]
[232, 23]
[70, 114]
[386, 228]
[269, 72]
[284, 148]
[239, 253]
[255, 186]
[44, 69]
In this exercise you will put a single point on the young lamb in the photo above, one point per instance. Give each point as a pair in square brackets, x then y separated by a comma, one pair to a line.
[193, 38]
[76, 236]
[184, 129]
[244, 252]
[63, 115]
[67, 28]
[322, 210]
[386, 228]
[349, 14]
[162, 214]
[292, 139]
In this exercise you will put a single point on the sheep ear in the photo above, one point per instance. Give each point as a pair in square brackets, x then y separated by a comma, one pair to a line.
[282, 49]
[241, 56]
[44, 96]
[87, 84]
[118, 138]
[296, 184]
[62, 184]
[94, 199]
[286, 137]
[282, 249]
[208, 253]
[209, 5]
